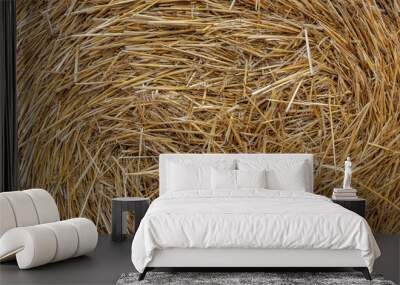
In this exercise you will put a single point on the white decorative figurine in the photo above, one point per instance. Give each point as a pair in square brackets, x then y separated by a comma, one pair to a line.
[347, 174]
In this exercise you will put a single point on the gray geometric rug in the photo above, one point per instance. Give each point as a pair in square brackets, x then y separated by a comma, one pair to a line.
[253, 278]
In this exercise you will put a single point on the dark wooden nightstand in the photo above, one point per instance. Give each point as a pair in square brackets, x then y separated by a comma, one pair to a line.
[356, 205]
[137, 205]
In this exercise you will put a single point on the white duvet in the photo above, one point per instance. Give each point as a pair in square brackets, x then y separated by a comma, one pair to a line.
[250, 219]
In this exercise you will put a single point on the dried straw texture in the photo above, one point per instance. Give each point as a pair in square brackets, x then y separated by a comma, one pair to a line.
[105, 86]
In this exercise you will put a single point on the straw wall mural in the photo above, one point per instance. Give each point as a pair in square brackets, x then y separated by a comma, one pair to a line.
[105, 86]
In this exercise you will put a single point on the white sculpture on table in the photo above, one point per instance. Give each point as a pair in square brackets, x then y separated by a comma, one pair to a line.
[347, 174]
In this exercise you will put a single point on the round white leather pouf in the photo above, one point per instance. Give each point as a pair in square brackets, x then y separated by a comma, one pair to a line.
[33, 246]
[67, 240]
[31, 232]
[23, 208]
[87, 234]
[45, 205]
[7, 218]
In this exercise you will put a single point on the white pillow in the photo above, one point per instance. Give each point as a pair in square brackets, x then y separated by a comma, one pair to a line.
[282, 174]
[227, 179]
[251, 178]
[186, 174]
[223, 179]
[277, 180]
[188, 177]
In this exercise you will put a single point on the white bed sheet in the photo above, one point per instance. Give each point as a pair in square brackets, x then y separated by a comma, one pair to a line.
[252, 218]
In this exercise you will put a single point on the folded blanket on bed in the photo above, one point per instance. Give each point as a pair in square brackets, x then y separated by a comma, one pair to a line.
[253, 218]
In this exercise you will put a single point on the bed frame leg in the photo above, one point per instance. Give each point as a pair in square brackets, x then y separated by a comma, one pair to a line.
[143, 274]
[364, 271]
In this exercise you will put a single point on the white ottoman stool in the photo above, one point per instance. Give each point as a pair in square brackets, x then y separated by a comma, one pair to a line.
[31, 232]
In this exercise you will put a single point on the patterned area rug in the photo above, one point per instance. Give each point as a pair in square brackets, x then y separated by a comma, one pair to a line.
[240, 278]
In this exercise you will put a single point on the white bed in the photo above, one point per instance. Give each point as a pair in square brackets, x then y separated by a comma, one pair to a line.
[248, 227]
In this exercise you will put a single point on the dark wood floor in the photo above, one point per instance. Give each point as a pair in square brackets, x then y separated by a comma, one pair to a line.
[110, 260]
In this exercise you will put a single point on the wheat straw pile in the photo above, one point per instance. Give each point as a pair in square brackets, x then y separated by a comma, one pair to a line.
[105, 86]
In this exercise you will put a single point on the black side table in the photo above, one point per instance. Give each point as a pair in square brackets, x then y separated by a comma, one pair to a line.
[357, 205]
[137, 205]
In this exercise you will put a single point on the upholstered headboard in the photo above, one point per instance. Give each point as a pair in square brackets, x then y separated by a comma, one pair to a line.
[210, 159]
